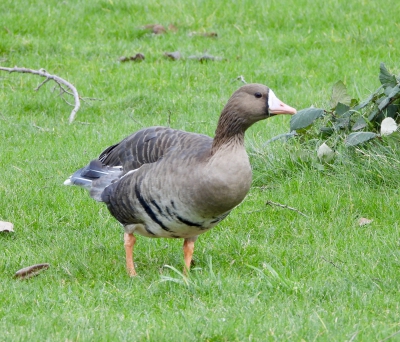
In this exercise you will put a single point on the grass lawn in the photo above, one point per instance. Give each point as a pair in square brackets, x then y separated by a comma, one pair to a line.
[265, 273]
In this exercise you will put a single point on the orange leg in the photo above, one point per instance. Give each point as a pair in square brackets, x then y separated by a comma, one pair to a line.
[129, 242]
[188, 248]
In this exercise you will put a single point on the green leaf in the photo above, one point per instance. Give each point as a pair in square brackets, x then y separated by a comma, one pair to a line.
[285, 136]
[339, 94]
[305, 118]
[386, 78]
[357, 138]
[354, 102]
[388, 90]
[342, 123]
[384, 103]
[369, 99]
[394, 93]
[375, 115]
[393, 110]
[359, 124]
[341, 109]
[326, 131]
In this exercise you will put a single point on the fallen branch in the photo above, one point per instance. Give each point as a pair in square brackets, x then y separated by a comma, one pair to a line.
[285, 207]
[60, 81]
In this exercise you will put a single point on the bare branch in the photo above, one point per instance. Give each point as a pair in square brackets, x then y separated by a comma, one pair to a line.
[45, 81]
[85, 99]
[285, 207]
[64, 91]
[68, 103]
[134, 120]
[60, 81]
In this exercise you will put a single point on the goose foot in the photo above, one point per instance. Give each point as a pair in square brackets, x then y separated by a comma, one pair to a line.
[188, 249]
[129, 242]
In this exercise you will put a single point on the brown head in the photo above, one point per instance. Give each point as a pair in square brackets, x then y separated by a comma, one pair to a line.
[247, 105]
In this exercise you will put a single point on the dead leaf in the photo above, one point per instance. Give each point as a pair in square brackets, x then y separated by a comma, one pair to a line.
[155, 28]
[31, 271]
[173, 55]
[363, 221]
[6, 227]
[204, 34]
[136, 58]
[210, 34]
[158, 29]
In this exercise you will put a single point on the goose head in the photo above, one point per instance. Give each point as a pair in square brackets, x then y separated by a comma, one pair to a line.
[254, 102]
[247, 105]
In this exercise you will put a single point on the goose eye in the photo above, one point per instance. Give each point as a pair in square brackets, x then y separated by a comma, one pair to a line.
[258, 95]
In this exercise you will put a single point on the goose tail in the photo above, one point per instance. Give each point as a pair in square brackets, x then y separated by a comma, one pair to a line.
[95, 177]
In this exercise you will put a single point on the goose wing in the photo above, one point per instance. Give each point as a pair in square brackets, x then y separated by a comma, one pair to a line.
[148, 146]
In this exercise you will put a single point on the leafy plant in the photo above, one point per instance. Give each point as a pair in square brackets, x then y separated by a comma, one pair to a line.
[352, 121]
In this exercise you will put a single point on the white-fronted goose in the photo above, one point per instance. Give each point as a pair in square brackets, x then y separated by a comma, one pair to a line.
[162, 182]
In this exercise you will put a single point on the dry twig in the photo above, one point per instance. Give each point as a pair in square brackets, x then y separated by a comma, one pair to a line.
[389, 337]
[285, 207]
[240, 78]
[60, 81]
[332, 263]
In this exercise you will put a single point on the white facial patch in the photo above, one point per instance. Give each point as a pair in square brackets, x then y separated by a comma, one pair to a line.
[273, 101]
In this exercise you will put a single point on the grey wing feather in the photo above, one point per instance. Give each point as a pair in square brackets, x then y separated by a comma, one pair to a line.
[145, 146]
[95, 170]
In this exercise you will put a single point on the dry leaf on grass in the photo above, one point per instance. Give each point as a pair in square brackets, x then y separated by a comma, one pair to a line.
[155, 28]
[136, 58]
[31, 271]
[204, 34]
[6, 227]
[363, 221]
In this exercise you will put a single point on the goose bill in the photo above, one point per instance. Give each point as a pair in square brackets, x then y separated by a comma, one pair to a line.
[276, 106]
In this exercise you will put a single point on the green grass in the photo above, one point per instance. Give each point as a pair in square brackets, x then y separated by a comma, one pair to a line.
[265, 273]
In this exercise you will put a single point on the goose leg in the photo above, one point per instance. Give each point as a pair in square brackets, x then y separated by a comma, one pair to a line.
[188, 248]
[129, 242]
